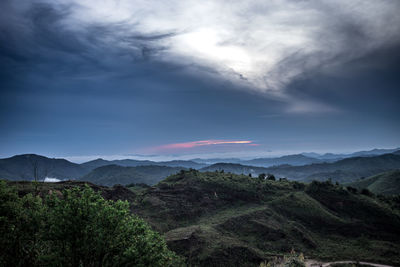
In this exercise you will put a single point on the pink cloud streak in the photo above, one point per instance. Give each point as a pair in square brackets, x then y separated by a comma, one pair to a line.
[188, 145]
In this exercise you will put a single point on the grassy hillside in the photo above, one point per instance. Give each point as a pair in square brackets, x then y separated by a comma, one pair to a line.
[114, 174]
[226, 219]
[387, 183]
[222, 219]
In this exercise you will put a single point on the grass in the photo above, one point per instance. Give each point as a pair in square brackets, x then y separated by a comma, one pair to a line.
[321, 219]
[387, 183]
[222, 219]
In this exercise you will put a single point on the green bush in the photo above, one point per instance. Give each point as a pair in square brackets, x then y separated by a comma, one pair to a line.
[79, 228]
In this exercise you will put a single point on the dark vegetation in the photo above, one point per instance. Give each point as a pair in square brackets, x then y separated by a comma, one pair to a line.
[216, 218]
[211, 218]
[74, 227]
[356, 264]
[223, 219]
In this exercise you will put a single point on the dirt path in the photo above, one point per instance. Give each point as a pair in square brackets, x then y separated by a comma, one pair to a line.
[315, 263]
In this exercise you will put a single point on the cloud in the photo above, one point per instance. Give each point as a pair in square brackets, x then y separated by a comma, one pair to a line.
[264, 44]
[51, 180]
[257, 45]
[194, 144]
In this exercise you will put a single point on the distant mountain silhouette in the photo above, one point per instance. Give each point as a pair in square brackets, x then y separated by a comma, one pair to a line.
[345, 170]
[134, 163]
[332, 156]
[294, 160]
[21, 167]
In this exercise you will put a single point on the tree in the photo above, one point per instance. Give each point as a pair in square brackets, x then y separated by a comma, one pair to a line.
[250, 175]
[365, 191]
[271, 177]
[352, 189]
[261, 176]
[21, 226]
[80, 228]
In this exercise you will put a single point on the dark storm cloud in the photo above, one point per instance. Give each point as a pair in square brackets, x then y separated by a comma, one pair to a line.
[37, 37]
[85, 77]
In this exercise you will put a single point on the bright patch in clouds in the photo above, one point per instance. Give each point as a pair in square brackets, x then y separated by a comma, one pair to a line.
[255, 44]
[264, 44]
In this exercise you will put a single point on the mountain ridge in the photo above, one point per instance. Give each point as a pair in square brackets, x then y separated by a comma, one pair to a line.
[345, 170]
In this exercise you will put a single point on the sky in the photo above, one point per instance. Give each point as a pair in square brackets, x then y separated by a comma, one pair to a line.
[175, 79]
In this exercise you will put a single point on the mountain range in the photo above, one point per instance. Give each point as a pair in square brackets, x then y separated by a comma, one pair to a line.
[345, 170]
[21, 167]
[296, 159]
[364, 153]
[134, 163]
[109, 172]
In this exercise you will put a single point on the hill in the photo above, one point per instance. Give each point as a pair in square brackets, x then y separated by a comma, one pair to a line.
[116, 192]
[364, 153]
[114, 174]
[21, 167]
[294, 160]
[345, 170]
[223, 219]
[387, 183]
[235, 168]
[134, 163]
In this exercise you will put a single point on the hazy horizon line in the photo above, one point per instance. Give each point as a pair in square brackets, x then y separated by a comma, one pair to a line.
[203, 156]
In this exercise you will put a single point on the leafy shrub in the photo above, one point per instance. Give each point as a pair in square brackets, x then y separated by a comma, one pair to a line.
[292, 260]
[80, 228]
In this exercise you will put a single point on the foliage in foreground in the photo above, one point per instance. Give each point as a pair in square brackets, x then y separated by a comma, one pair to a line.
[75, 228]
[291, 260]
